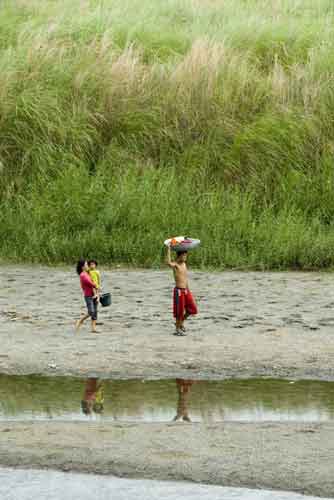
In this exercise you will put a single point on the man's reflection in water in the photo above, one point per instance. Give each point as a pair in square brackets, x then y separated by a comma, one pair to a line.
[183, 387]
[93, 397]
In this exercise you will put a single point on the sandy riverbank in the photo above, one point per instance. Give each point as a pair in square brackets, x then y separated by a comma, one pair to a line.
[250, 324]
[291, 457]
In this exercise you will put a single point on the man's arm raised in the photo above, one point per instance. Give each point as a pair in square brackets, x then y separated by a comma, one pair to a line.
[169, 259]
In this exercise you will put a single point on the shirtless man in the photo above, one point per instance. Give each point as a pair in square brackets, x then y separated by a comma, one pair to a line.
[183, 301]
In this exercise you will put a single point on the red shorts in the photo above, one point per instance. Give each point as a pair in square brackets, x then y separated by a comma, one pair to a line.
[183, 302]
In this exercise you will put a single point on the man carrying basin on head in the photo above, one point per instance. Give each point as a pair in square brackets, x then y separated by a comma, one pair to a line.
[183, 302]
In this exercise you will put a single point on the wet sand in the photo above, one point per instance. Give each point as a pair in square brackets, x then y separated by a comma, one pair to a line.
[39, 484]
[249, 325]
[290, 457]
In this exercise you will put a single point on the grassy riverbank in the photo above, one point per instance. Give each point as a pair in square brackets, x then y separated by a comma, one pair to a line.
[124, 122]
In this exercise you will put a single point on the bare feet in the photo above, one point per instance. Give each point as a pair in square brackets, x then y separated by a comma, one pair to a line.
[80, 321]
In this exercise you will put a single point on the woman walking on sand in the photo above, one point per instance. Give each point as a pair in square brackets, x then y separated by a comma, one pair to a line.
[89, 291]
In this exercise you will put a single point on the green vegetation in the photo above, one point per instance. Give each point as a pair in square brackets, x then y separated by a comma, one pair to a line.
[123, 122]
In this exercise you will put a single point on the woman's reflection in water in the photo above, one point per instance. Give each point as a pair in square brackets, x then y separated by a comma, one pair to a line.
[183, 387]
[93, 397]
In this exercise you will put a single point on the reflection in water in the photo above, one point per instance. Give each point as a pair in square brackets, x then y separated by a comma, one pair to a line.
[183, 388]
[46, 398]
[93, 397]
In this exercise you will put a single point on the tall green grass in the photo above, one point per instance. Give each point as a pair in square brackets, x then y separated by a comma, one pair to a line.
[125, 122]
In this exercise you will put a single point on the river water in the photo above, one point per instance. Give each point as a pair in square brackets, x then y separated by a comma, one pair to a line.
[66, 398]
[40, 485]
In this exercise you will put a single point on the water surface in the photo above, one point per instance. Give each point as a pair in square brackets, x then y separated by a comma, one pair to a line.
[66, 398]
[39, 485]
